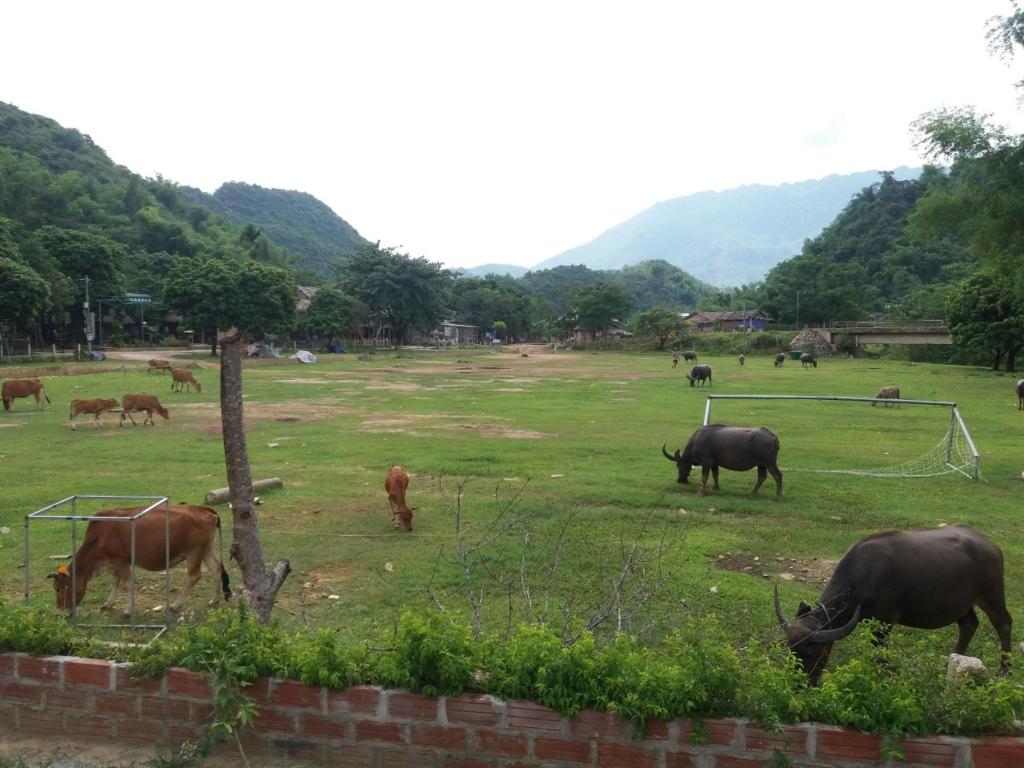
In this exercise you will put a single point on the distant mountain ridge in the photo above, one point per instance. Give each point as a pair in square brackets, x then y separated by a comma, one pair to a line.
[726, 238]
[307, 227]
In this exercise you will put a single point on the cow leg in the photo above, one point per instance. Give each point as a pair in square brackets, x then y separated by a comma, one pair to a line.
[195, 572]
[968, 625]
[97, 421]
[149, 418]
[703, 490]
[213, 566]
[762, 473]
[1000, 618]
[714, 471]
[777, 474]
[113, 594]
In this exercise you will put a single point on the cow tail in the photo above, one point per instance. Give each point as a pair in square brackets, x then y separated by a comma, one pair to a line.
[224, 580]
[43, 390]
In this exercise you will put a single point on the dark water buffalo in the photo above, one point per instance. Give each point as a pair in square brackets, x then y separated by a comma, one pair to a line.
[780, 359]
[736, 448]
[690, 357]
[924, 579]
[808, 358]
[1020, 394]
[699, 373]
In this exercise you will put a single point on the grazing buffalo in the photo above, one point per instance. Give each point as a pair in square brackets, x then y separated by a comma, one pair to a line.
[396, 484]
[690, 357]
[741, 359]
[16, 388]
[107, 546]
[159, 365]
[923, 579]
[737, 448]
[888, 393]
[780, 359]
[182, 377]
[699, 373]
[1020, 394]
[95, 407]
[146, 403]
[808, 358]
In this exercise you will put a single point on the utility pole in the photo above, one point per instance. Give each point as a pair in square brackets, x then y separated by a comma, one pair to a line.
[85, 312]
[798, 309]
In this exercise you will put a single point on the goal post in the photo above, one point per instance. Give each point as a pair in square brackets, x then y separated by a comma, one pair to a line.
[956, 451]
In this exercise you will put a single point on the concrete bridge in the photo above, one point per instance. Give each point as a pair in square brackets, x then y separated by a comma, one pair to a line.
[886, 332]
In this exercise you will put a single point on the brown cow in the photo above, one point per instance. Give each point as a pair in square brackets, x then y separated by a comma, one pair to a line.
[95, 407]
[107, 546]
[183, 377]
[147, 403]
[888, 393]
[22, 388]
[159, 365]
[396, 484]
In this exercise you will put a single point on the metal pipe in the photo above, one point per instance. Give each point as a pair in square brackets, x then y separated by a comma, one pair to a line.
[131, 581]
[26, 560]
[167, 563]
[707, 412]
[74, 569]
[945, 403]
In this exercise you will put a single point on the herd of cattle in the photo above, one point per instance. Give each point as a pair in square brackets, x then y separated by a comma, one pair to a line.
[924, 579]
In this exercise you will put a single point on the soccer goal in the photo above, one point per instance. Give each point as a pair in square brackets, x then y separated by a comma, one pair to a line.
[954, 453]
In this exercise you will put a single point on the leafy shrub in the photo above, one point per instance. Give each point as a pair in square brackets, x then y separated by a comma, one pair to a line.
[38, 630]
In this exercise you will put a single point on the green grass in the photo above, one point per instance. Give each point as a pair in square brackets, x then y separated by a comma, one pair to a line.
[572, 436]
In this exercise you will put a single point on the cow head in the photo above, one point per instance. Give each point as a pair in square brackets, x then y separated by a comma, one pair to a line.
[199, 387]
[405, 515]
[807, 637]
[684, 462]
[163, 411]
[62, 588]
[690, 379]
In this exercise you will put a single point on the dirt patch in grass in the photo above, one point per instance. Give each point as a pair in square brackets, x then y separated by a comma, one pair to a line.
[775, 566]
[304, 381]
[492, 430]
[12, 424]
[209, 413]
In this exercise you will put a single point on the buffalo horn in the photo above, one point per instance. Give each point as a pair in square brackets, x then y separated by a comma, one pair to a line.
[831, 635]
[668, 455]
[778, 608]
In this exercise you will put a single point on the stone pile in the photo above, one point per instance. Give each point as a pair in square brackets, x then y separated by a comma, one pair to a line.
[810, 337]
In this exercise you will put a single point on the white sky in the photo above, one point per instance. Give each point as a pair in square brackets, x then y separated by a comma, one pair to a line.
[473, 132]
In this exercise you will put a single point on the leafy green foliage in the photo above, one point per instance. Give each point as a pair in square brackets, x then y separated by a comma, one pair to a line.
[986, 318]
[597, 307]
[23, 293]
[659, 324]
[38, 630]
[331, 314]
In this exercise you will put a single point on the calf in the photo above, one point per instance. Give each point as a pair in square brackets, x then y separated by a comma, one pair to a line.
[146, 403]
[95, 407]
[15, 388]
[690, 357]
[888, 393]
[1020, 394]
[396, 484]
[159, 365]
[808, 358]
[780, 359]
[182, 377]
[699, 373]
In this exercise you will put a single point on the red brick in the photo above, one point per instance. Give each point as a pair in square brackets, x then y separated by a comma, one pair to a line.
[311, 725]
[177, 733]
[622, 756]
[441, 738]
[678, 760]
[22, 694]
[472, 710]
[525, 714]
[407, 759]
[89, 727]
[259, 690]
[790, 740]
[125, 682]
[468, 762]
[8, 718]
[848, 744]
[90, 672]
[368, 731]
[199, 712]
[7, 664]
[116, 705]
[298, 749]
[604, 726]
[272, 720]
[42, 670]
[361, 699]
[504, 744]
[728, 761]
[560, 749]
[40, 721]
[998, 753]
[716, 733]
[140, 731]
[295, 696]
[165, 709]
[349, 757]
[656, 730]
[931, 752]
[185, 683]
[412, 706]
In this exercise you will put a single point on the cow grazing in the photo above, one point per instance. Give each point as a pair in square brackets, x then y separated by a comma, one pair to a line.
[147, 403]
[107, 546]
[924, 579]
[396, 484]
[780, 359]
[1020, 394]
[182, 377]
[737, 448]
[690, 357]
[808, 358]
[699, 373]
[741, 359]
[888, 393]
[159, 365]
[15, 388]
[95, 407]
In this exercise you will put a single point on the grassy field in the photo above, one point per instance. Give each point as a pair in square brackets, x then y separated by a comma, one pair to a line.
[563, 447]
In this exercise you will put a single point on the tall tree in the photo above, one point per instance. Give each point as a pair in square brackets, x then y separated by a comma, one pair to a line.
[597, 307]
[986, 318]
[23, 293]
[659, 324]
[331, 314]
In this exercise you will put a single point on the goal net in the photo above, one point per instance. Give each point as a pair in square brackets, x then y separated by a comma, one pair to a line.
[953, 453]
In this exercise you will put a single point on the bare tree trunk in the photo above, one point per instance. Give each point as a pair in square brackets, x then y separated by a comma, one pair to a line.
[261, 585]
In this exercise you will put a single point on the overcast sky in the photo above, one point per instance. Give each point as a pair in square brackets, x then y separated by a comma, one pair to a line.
[473, 132]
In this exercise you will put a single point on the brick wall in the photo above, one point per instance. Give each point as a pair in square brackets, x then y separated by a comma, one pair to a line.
[368, 727]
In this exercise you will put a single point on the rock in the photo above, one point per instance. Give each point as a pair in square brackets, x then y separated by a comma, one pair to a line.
[786, 576]
[810, 337]
[965, 666]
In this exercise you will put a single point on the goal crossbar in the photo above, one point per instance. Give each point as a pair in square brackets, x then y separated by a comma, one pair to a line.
[970, 465]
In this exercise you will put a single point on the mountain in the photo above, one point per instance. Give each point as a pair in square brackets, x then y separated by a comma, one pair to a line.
[493, 269]
[725, 238]
[314, 234]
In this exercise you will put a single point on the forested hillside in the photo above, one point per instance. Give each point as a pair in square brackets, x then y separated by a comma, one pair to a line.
[315, 235]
